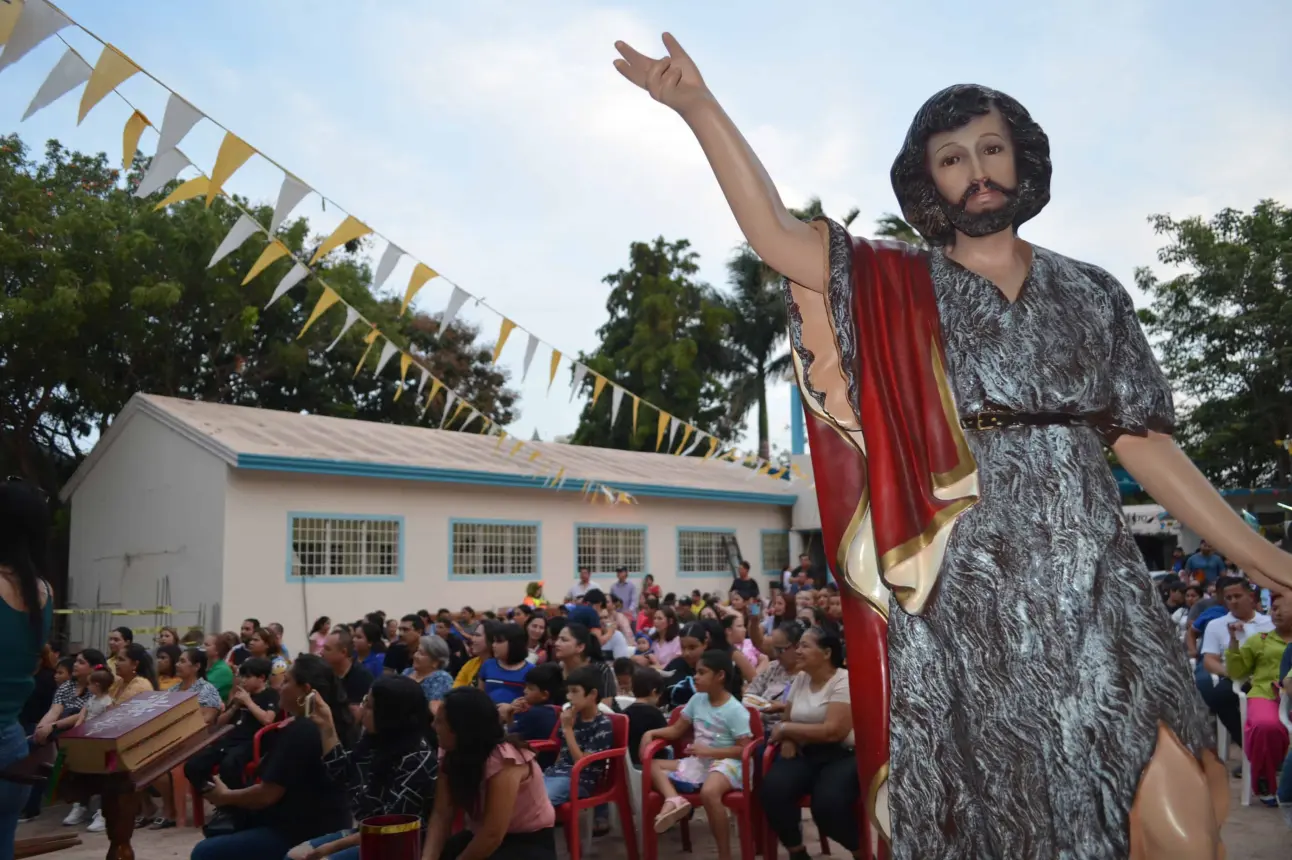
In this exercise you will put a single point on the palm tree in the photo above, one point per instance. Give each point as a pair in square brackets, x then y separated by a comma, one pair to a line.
[891, 226]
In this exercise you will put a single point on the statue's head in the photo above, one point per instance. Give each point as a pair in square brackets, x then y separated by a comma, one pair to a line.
[973, 161]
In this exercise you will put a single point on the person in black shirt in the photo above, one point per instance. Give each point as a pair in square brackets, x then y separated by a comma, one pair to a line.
[745, 585]
[253, 705]
[399, 654]
[243, 650]
[459, 654]
[355, 679]
[644, 714]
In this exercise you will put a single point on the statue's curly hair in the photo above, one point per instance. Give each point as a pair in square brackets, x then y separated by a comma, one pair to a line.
[950, 109]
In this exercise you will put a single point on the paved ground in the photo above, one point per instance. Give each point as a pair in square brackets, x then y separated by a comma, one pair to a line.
[1252, 833]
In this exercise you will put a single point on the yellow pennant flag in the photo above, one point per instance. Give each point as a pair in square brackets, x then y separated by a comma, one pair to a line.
[9, 13]
[713, 446]
[503, 334]
[130, 138]
[636, 402]
[462, 404]
[421, 274]
[436, 385]
[534, 456]
[112, 69]
[558, 477]
[663, 425]
[234, 152]
[597, 387]
[347, 231]
[273, 251]
[516, 448]
[327, 300]
[195, 187]
[488, 422]
[551, 374]
[502, 437]
[686, 434]
[370, 338]
[404, 361]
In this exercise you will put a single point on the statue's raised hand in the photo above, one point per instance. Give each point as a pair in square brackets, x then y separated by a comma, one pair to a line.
[673, 80]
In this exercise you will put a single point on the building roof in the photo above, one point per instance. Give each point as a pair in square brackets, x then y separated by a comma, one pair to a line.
[267, 440]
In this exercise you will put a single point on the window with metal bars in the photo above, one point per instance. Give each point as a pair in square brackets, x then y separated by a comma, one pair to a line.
[340, 547]
[702, 552]
[494, 549]
[605, 549]
[776, 551]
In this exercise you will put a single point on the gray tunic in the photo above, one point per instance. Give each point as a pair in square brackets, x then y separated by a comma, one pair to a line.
[1026, 697]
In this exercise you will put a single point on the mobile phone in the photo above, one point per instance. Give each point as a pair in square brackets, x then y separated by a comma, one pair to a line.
[755, 610]
[309, 704]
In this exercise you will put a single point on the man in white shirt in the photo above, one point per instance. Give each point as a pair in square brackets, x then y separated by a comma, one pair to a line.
[582, 587]
[1243, 621]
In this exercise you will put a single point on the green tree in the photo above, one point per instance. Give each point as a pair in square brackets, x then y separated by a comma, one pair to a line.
[103, 297]
[1224, 332]
[890, 226]
[665, 341]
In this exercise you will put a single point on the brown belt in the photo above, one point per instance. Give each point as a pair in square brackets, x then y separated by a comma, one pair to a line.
[1002, 419]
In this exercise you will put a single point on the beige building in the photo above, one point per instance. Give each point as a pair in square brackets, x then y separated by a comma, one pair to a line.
[242, 512]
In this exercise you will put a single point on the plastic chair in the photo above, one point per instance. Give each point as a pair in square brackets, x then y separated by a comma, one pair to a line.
[771, 843]
[611, 788]
[553, 743]
[1285, 711]
[740, 801]
[1247, 765]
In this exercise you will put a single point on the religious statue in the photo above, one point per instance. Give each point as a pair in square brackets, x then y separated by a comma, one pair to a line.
[1017, 689]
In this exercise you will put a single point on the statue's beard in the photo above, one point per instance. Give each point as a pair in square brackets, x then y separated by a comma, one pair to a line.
[977, 224]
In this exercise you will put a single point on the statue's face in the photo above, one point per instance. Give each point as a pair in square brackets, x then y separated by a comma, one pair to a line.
[974, 171]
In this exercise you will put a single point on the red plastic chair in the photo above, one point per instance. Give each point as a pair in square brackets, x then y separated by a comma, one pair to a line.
[612, 788]
[553, 743]
[249, 774]
[740, 801]
[771, 844]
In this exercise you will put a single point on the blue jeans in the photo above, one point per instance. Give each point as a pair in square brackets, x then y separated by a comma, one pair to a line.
[1285, 781]
[13, 747]
[351, 853]
[258, 843]
[558, 789]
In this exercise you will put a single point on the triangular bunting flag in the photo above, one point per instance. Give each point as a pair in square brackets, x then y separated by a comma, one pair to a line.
[616, 397]
[9, 13]
[457, 410]
[484, 428]
[448, 402]
[713, 446]
[327, 300]
[598, 385]
[502, 437]
[503, 333]
[534, 455]
[290, 194]
[531, 347]
[436, 385]
[370, 338]
[552, 366]
[234, 152]
[347, 231]
[637, 401]
[195, 187]
[559, 478]
[404, 361]
[580, 371]
[177, 122]
[421, 274]
[130, 138]
[698, 437]
[273, 251]
[470, 419]
[659, 432]
[113, 69]
[388, 351]
[294, 276]
[386, 265]
[426, 375]
[686, 434]
[243, 229]
[351, 317]
[70, 72]
[162, 169]
[672, 430]
[456, 299]
[36, 22]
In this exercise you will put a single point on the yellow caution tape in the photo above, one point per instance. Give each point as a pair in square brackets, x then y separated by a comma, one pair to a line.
[160, 610]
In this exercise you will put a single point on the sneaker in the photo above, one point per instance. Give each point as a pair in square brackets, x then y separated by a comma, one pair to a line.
[97, 824]
[24, 817]
[77, 816]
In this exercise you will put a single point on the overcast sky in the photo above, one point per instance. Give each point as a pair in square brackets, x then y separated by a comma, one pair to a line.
[497, 143]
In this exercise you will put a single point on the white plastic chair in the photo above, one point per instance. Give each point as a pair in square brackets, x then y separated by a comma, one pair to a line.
[1285, 710]
[1247, 765]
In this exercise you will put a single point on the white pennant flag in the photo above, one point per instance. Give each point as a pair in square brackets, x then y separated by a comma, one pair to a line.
[162, 169]
[291, 279]
[691, 447]
[242, 230]
[291, 193]
[448, 407]
[616, 395]
[389, 258]
[530, 348]
[472, 417]
[351, 317]
[387, 352]
[754, 471]
[456, 300]
[580, 371]
[178, 121]
[36, 23]
[672, 430]
[426, 374]
[70, 73]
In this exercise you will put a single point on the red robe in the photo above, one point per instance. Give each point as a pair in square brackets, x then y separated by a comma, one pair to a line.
[890, 462]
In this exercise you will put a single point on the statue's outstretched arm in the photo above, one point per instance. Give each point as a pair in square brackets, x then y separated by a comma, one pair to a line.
[788, 245]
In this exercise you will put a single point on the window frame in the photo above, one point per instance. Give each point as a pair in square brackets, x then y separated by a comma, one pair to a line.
[762, 550]
[627, 527]
[701, 574]
[401, 531]
[500, 577]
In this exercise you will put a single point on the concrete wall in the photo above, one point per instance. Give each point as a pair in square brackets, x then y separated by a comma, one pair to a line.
[152, 508]
[256, 543]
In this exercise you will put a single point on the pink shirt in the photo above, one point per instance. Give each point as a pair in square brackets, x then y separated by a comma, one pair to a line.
[316, 643]
[533, 811]
[666, 652]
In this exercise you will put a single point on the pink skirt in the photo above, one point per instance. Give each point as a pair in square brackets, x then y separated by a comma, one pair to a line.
[1265, 742]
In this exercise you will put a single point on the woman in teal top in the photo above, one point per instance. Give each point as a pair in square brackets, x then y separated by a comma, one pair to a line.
[26, 613]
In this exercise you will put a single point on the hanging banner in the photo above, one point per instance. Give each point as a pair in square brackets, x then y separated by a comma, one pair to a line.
[351, 317]
[404, 361]
[659, 432]
[503, 334]
[162, 169]
[243, 229]
[234, 152]
[195, 187]
[130, 138]
[327, 300]
[347, 231]
[290, 194]
[386, 265]
[421, 274]
[616, 397]
[580, 371]
[597, 386]
[111, 71]
[37, 21]
[294, 276]
[531, 347]
[70, 72]
[551, 370]
[388, 351]
[274, 251]
[456, 300]
[177, 122]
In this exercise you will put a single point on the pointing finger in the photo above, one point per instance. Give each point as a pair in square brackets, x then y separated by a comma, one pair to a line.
[632, 55]
[675, 48]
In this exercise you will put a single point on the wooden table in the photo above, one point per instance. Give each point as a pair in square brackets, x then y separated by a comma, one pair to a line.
[120, 791]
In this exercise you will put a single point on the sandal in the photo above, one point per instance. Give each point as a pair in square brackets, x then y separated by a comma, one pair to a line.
[161, 824]
[600, 829]
[675, 809]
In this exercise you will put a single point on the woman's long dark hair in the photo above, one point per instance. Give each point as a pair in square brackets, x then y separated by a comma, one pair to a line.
[171, 651]
[517, 642]
[24, 546]
[674, 627]
[318, 624]
[197, 656]
[401, 724]
[139, 654]
[591, 644]
[309, 670]
[95, 658]
[373, 633]
[473, 717]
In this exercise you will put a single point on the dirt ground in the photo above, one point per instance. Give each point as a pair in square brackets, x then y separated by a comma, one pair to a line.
[1252, 833]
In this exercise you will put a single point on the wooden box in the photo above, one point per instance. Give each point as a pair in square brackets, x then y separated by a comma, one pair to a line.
[128, 736]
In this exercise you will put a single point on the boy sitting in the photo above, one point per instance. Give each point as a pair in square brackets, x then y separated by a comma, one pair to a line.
[252, 706]
[644, 714]
[532, 716]
[584, 730]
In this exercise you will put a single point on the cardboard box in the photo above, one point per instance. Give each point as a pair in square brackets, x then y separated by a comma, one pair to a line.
[132, 734]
